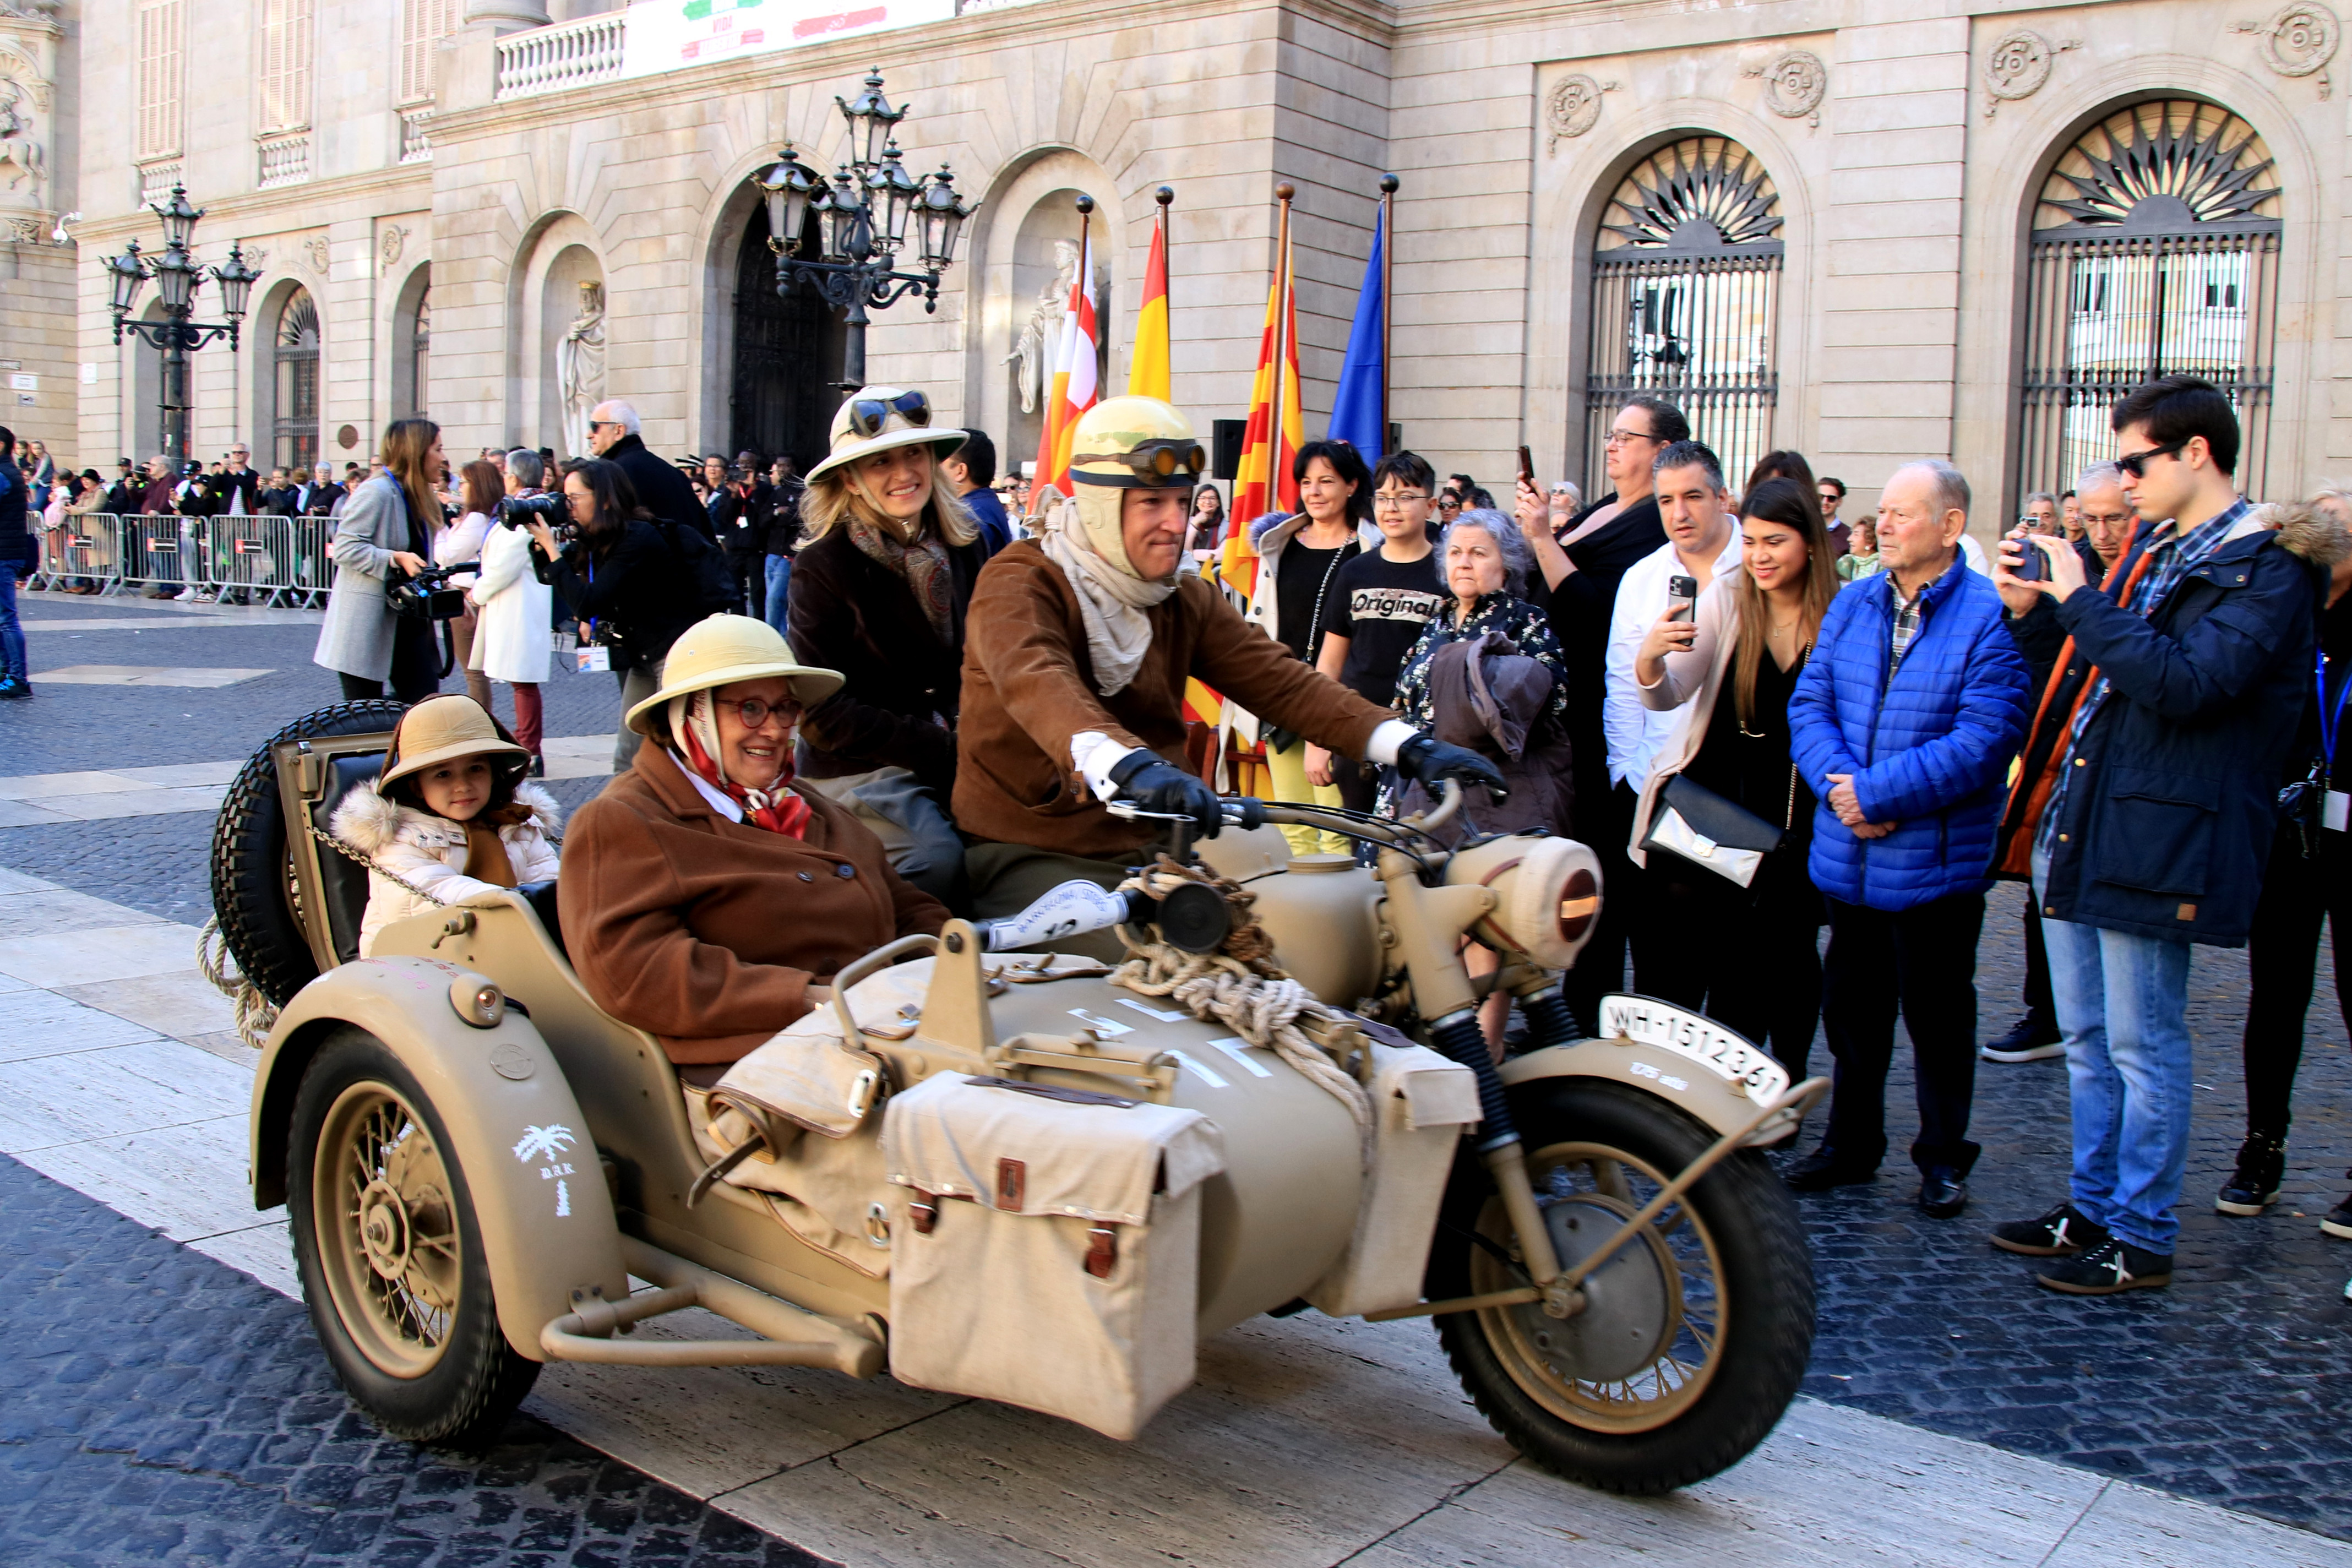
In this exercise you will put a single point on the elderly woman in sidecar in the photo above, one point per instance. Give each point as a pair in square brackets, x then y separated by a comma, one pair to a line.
[706, 899]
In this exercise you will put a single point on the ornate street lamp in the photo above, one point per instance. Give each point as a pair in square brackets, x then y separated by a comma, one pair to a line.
[177, 276]
[865, 214]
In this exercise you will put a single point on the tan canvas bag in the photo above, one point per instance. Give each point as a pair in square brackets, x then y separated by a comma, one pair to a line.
[1421, 1102]
[1044, 1247]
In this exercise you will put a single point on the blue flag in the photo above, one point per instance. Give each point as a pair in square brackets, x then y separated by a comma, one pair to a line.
[1356, 411]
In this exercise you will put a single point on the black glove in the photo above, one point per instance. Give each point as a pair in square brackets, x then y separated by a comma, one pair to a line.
[1431, 761]
[1155, 784]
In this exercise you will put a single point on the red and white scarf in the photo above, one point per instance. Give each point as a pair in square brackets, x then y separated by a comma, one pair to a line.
[694, 723]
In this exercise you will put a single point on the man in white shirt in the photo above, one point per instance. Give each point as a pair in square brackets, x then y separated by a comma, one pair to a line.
[1702, 541]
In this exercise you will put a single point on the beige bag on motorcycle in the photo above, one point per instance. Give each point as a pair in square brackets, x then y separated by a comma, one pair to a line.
[1044, 1246]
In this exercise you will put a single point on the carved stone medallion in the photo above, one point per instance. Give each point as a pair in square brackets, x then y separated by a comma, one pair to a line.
[1795, 84]
[2299, 40]
[1571, 109]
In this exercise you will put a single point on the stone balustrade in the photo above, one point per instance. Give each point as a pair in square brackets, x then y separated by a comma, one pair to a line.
[570, 54]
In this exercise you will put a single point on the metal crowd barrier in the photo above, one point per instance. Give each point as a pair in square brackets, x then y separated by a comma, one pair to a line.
[276, 560]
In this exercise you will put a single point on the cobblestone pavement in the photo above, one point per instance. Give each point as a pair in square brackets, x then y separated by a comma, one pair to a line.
[202, 1427]
[2231, 1386]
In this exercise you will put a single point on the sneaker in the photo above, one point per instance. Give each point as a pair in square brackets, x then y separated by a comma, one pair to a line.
[1943, 1192]
[2338, 1221]
[537, 766]
[11, 687]
[2061, 1233]
[205, 598]
[2034, 1038]
[2112, 1267]
[2261, 1162]
[184, 596]
[1825, 1168]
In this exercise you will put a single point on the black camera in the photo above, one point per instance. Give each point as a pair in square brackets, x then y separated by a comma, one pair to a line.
[515, 511]
[428, 597]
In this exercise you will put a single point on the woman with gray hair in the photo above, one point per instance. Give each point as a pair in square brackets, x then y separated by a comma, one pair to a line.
[1486, 562]
[512, 642]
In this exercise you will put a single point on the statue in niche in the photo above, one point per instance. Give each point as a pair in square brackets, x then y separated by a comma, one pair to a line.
[580, 367]
[20, 155]
[1033, 352]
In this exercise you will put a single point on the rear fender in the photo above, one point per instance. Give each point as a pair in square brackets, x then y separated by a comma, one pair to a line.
[1686, 1086]
[514, 1128]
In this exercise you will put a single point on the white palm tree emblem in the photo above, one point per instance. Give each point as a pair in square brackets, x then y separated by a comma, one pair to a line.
[543, 1142]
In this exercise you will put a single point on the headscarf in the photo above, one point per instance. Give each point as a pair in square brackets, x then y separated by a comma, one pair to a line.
[693, 722]
[1111, 603]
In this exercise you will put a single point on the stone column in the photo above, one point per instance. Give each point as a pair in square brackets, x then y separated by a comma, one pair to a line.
[507, 16]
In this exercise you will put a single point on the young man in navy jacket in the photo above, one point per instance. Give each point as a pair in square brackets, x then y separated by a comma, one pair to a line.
[2144, 811]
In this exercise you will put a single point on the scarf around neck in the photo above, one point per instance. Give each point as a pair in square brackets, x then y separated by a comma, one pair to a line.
[921, 563]
[693, 720]
[1111, 604]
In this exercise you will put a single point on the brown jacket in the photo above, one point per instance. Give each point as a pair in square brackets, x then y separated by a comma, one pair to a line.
[1029, 686]
[706, 933]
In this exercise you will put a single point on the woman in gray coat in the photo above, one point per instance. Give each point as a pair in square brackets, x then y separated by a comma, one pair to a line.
[385, 526]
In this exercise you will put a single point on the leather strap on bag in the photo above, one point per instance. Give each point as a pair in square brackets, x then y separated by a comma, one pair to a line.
[1102, 1249]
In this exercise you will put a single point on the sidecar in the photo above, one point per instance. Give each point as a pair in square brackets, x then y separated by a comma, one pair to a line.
[1004, 1175]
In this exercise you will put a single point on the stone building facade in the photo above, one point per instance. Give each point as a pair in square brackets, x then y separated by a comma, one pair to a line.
[1869, 233]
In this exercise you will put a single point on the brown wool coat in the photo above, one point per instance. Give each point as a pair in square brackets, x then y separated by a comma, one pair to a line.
[1029, 686]
[706, 933]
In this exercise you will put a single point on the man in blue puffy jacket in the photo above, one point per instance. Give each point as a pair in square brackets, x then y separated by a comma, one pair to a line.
[1904, 723]
[2145, 809]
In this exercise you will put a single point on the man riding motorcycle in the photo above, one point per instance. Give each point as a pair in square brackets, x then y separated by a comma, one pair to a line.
[1077, 648]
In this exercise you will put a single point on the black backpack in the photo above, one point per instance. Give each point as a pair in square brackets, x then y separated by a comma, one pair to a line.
[705, 567]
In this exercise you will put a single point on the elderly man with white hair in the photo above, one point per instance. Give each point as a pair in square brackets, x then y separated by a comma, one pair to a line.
[663, 488]
[1903, 725]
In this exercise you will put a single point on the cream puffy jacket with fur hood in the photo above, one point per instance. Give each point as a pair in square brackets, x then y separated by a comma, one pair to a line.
[430, 851]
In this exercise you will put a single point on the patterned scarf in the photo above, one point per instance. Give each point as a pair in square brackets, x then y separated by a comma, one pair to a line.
[693, 721]
[921, 563]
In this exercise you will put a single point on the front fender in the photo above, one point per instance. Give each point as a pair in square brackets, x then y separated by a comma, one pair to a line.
[546, 1219]
[1692, 1088]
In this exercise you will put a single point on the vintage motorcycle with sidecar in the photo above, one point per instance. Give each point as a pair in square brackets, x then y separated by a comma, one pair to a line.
[1028, 1176]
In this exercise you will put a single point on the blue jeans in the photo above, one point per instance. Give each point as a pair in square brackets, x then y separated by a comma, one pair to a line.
[2121, 1002]
[12, 635]
[779, 581]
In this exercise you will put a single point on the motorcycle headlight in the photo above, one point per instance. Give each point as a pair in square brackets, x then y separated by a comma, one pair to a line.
[1547, 891]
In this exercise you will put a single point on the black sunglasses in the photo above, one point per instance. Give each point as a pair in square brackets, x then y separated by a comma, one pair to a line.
[868, 415]
[2136, 464]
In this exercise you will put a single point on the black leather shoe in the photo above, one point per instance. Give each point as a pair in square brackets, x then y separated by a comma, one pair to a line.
[537, 766]
[2034, 1038]
[1942, 1192]
[1825, 1168]
[2253, 1186]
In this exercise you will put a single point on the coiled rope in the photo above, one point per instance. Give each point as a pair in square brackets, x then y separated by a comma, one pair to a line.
[255, 1015]
[1240, 986]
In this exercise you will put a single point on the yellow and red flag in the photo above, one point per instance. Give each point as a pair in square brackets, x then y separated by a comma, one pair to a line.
[1270, 442]
[1148, 373]
[1075, 388]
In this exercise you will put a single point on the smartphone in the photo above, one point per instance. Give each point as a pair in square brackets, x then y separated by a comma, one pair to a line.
[2034, 565]
[1681, 593]
[1526, 465]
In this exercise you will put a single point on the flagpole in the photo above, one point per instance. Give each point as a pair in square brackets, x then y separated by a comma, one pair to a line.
[1388, 292]
[1282, 194]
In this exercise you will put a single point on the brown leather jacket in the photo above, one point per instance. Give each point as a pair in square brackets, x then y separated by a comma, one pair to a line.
[706, 933]
[1029, 686]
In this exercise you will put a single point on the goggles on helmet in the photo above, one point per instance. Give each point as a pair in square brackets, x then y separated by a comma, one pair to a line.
[868, 415]
[1153, 464]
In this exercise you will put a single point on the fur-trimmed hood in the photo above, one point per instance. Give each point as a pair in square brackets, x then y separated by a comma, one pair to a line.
[2305, 529]
[370, 822]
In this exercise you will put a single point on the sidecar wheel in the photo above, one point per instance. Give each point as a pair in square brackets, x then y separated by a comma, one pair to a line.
[1696, 1333]
[390, 1253]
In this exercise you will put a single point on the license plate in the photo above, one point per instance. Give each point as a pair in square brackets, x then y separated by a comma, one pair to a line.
[1696, 1039]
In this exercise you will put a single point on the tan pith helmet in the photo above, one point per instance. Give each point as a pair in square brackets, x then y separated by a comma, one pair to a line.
[1123, 444]
[724, 650]
[442, 728]
[878, 418]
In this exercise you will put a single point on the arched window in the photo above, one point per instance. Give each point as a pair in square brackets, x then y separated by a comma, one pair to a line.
[420, 350]
[1686, 288]
[412, 344]
[2153, 251]
[294, 428]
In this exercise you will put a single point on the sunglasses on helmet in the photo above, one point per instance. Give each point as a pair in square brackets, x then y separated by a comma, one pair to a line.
[868, 415]
[1156, 462]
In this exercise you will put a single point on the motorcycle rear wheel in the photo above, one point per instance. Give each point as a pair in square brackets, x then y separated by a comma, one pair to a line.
[1697, 1333]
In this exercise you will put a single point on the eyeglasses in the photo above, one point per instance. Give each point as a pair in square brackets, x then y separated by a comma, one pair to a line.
[1449, 502]
[1398, 503]
[2136, 463]
[754, 711]
[868, 415]
[1619, 437]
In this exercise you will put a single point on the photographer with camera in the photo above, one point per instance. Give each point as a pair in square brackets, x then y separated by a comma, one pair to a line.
[383, 539]
[513, 609]
[632, 585]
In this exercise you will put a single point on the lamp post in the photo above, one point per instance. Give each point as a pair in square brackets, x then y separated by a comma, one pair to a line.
[866, 214]
[177, 276]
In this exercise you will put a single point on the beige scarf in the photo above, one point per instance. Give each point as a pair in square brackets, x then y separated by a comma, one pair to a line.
[1110, 602]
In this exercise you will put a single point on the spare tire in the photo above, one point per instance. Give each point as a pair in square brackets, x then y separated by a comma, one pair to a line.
[254, 888]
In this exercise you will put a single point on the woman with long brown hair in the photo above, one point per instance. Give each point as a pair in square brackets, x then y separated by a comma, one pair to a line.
[1751, 960]
[386, 526]
[479, 491]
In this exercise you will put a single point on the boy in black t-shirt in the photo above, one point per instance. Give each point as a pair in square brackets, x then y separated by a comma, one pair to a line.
[1384, 600]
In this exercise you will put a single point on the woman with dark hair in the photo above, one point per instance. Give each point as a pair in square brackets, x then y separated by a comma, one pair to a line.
[386, 526]
[1208, 527]
[1731, 669]
[621, 576]
[1297, 599]
[1793, 467]
[479, 491]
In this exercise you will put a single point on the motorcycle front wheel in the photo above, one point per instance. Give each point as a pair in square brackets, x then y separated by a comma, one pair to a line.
[1696, 1333]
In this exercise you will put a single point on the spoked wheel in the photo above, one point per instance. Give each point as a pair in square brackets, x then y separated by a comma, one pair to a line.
[1695, 1332]
[390, 1255]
